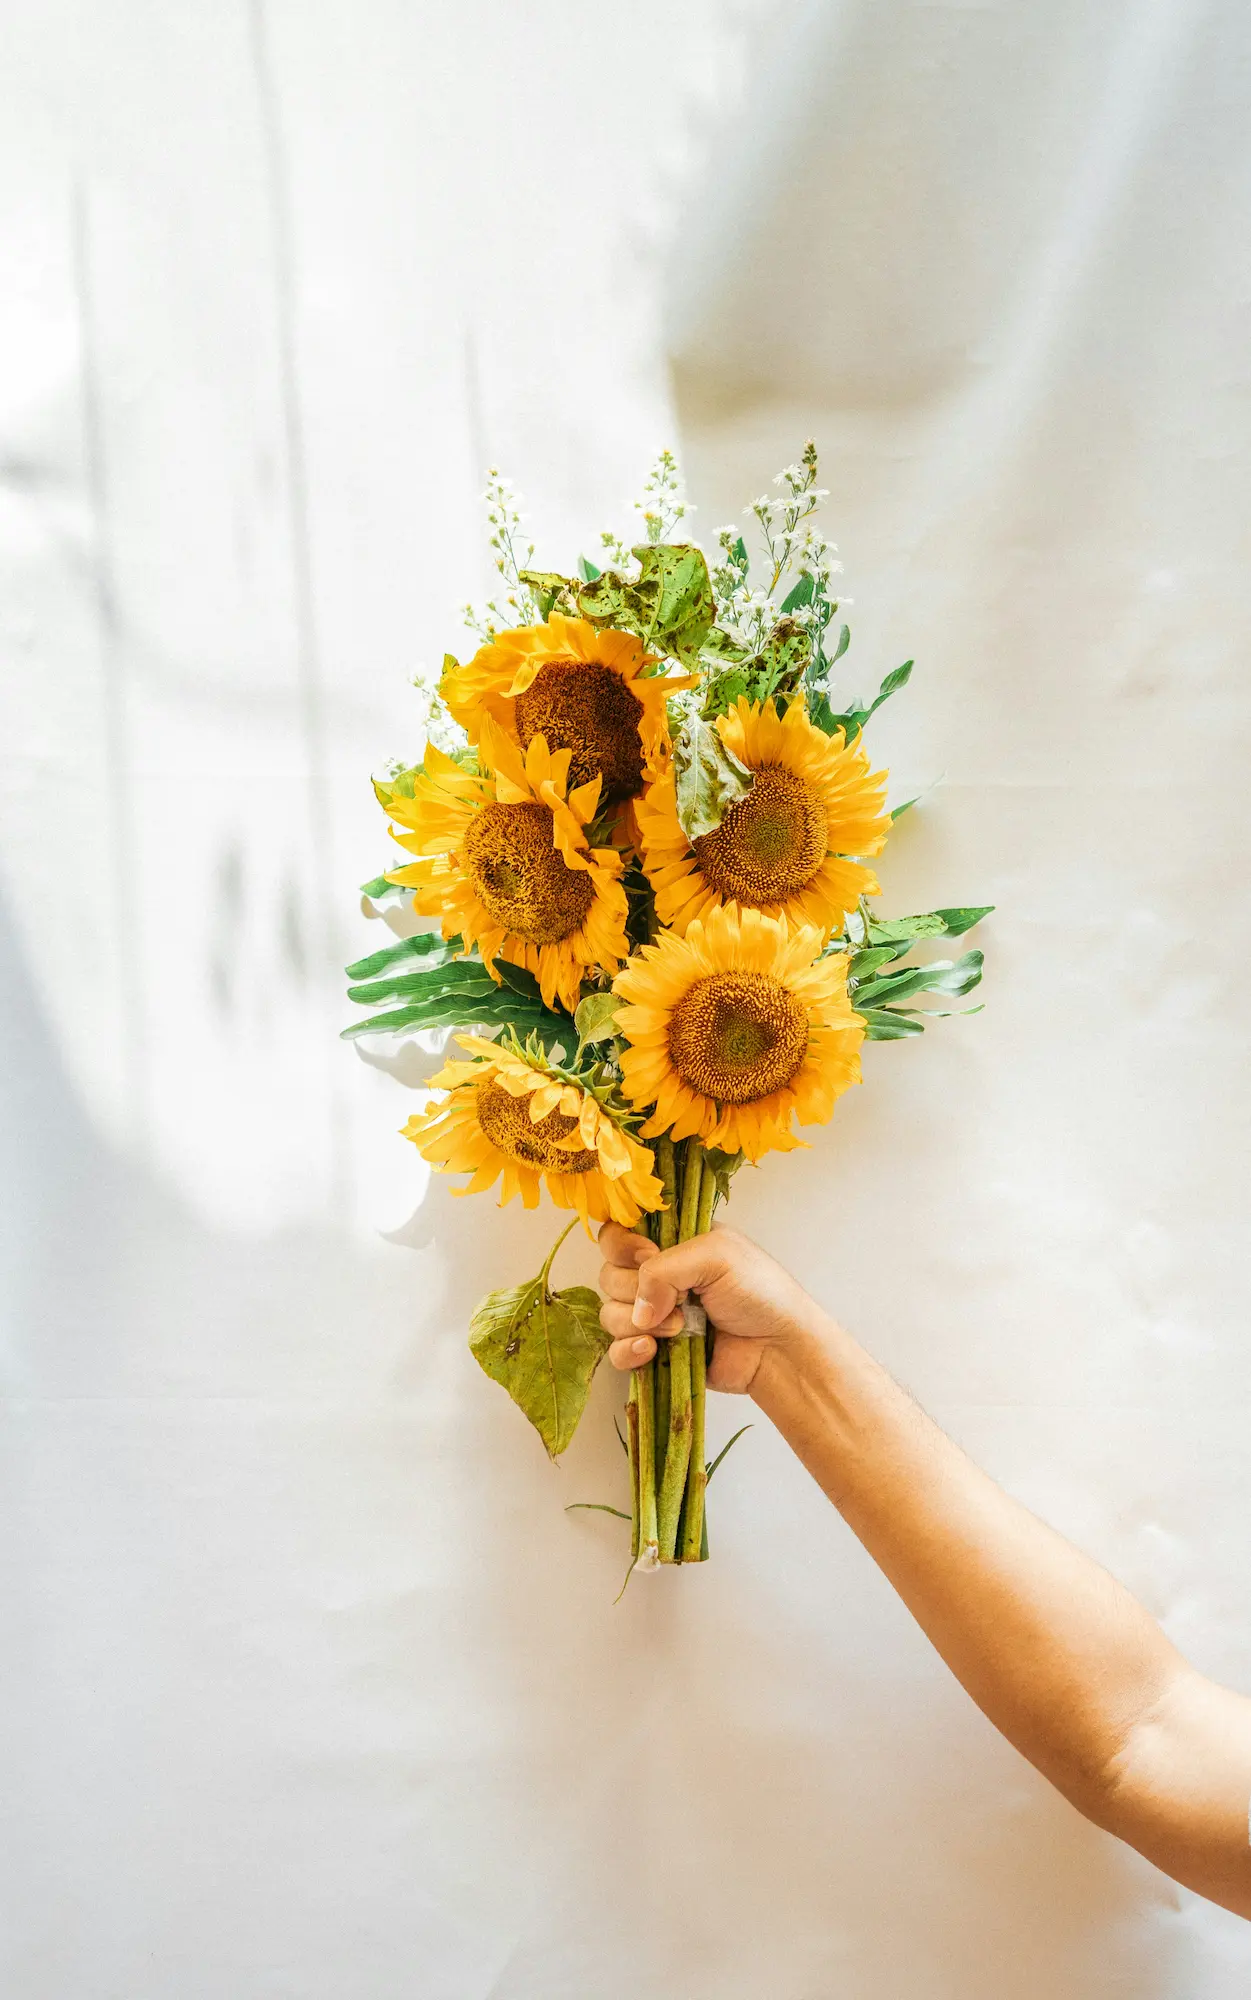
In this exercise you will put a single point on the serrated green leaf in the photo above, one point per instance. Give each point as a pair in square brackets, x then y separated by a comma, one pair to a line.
[544, 1348]
[709, 778]
[595, 1018]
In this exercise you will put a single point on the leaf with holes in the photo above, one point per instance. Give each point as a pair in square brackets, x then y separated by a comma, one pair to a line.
[544, 1348]
[709, 778]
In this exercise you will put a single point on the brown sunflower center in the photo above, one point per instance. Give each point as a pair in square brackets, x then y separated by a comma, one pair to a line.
[737, 1036]
[521, 877]
[587, 708]
[506, 1121]
[771, 844]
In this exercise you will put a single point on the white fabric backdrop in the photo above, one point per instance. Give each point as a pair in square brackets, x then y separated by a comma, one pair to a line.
[308, 1687]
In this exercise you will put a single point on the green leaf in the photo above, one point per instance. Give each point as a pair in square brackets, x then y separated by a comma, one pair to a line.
[844, 641]
[669, 604]
[459, 1010]
[709, 1470]
[863, 964]
[897, 812]
[427, 946]
[544, 1348]
[709, 778]
[724, 1167]
[960, 920]
[936, 923]
[852, 720]
[881, 1025]
[462, 975]
[891, 929]
[782, 661]
[801, 595]
[552, 590]
[382, 891]
[942, 977]
[519, 980]
[587, 570]
[596, 1018]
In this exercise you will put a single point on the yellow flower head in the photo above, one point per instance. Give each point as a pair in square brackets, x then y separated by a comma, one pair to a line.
[584, 690]
[509, 867]
[508, 1116]
[733, 1029]
[781, 849]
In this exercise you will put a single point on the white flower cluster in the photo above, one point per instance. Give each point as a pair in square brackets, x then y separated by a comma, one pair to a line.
[440, 725]
[662, 506]
[519, 605]
[793, 548]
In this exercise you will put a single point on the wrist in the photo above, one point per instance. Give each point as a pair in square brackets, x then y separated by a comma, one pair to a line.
[790, 1365]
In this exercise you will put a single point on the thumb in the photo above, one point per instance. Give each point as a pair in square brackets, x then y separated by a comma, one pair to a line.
[665, 1278]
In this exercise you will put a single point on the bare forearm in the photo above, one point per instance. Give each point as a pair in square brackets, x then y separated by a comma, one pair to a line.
[1059, 1656]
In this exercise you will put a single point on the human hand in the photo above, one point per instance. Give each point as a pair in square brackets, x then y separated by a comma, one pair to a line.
[752, 1303]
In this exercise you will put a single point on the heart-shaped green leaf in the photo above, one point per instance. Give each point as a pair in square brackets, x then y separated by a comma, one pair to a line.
[544, 1348]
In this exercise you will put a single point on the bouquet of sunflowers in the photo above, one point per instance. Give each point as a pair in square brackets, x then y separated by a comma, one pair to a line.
[643, 826]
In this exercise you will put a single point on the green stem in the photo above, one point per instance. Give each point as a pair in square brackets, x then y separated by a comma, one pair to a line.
[632, 1432]
[677, 1458]
[692, 1180]
[667, 1220]
[648, 1550]
[663, 1396]
[551, 1255]
[691, 1544]
[678, 1449]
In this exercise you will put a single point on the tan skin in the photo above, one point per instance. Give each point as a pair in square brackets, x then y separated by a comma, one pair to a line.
[1056, 1653]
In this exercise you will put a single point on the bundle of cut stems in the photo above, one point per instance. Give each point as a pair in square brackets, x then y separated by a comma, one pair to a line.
[665, 1412]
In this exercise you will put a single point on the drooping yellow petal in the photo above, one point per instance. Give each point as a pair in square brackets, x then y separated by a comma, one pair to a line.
[509, 1118]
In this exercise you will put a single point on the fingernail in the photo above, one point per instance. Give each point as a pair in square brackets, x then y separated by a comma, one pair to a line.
[640, 1347]
[642, 1314]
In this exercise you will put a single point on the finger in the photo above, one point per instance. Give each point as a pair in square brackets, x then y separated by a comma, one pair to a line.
[616, 1320]
[614, 1283]
[663, 1280]
[625, 1246]
[632, 1353]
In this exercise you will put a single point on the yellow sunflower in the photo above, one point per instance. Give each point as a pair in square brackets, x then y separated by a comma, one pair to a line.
[508, 1116]
[735, 1027]
[584, 690]
[782, 848]
[509, 866]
